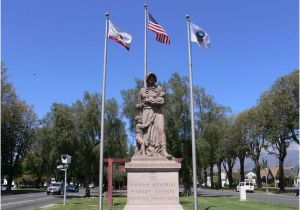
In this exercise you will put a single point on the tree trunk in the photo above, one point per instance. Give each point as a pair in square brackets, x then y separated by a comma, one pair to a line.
[187, 188]
[199, 177]
[219, 175]
[38, 182]
[281, 175]
[257, 171]
[282, 154]
[205, 178]
[186, 181]
[242, 166]
[9, 183]
[11, 173]
[230, 163]
[87, 189]
[211, 171]
[230, 178]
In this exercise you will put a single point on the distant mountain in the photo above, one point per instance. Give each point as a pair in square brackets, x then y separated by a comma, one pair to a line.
[292, 159]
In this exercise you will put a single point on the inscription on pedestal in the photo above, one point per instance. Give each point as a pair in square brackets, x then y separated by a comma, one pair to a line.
[153, 187]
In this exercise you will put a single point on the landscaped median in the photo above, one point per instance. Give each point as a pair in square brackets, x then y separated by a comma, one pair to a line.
[204, 203]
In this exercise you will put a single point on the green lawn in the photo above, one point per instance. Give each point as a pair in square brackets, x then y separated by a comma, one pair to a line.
[204, 203]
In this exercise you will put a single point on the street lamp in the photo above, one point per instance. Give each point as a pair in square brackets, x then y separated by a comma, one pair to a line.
[267, 173]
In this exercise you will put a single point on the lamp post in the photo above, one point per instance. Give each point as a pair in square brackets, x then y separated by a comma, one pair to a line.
[65, 190]
[267, 173]
[66, 160]
[64, 168]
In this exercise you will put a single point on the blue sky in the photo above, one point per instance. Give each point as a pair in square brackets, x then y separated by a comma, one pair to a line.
[53, 49]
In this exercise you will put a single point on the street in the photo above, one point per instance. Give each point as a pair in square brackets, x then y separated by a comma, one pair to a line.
[33, 200]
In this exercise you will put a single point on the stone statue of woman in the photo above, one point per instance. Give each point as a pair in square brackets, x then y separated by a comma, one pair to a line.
[150, 102]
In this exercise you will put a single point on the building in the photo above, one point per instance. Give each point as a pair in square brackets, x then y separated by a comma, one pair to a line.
[291, 174]
[250, 177]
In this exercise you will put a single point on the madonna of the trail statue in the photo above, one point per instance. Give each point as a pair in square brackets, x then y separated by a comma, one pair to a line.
[152, 173]
[150, 135]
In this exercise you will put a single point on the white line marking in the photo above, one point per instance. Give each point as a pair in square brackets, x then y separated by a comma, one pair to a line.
[7, 204]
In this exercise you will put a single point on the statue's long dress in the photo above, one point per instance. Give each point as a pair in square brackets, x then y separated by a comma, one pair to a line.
[155, 132]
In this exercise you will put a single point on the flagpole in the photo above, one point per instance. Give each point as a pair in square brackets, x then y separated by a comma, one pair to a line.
[145, 44]
[102, 114]
[192, 117]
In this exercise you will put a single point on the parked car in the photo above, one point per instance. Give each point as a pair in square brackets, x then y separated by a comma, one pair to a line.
[249, 186]
[55, 188]
[296, 192]
[72, 188]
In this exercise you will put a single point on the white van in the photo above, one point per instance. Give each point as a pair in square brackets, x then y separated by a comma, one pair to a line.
[249, 186]
[55, 188]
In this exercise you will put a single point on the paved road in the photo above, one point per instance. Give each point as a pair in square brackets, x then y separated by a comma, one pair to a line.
[260, 196]
[35, 200]
[32, 200]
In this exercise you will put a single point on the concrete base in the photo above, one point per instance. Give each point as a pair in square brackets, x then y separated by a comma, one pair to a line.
[154, 207]
[243, 195]
[152, 184]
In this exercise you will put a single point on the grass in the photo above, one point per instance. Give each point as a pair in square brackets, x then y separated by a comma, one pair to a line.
[87, 204]
[225, 203]
[204, 203]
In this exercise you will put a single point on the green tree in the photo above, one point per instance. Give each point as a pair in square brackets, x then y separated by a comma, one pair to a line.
[178, 125]
[240, 135]
[31, 169]
[211, 119]
[75, 130]
[203, 145]
[228, 149]
[115, 137]
[119, 178]
[255, 137]
[129, 110]
[280, 112]
[65, 137]
[41, 149]
[18, 121]
[44, 151]
[87, 123]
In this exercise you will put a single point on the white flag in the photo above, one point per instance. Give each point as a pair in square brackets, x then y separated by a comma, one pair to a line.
[117, 35]
[200, 36]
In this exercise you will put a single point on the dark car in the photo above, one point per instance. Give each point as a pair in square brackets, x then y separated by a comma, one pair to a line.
[296, 192]
[72, 188]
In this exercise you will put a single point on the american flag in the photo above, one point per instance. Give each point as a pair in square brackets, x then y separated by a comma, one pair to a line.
[161, 35]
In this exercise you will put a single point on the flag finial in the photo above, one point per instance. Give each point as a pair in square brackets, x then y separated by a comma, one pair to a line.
[106, 14]
[145, 5]
[187, 17]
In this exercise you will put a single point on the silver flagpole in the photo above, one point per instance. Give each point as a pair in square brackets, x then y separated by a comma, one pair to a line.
[102, 115]
[145, 44]
[192, 117]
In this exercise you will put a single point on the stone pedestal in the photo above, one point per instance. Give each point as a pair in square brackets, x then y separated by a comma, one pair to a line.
[152, 184]
[243, 196]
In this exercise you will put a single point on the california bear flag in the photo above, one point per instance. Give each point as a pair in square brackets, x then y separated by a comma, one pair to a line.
[117, 35]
